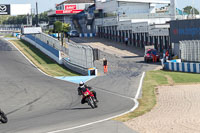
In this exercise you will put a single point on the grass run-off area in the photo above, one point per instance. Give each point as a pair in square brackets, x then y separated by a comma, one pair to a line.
[42, 61]
[152, 80]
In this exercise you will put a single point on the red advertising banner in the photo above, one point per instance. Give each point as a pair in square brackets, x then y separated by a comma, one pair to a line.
[70, 7]
[67, 11]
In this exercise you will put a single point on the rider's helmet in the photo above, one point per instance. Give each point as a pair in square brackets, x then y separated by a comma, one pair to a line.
[81, 84]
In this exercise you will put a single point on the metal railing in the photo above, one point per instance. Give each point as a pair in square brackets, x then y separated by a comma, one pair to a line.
[49, 40]
[145, 16]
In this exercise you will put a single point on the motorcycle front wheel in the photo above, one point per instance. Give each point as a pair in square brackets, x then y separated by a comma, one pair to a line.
[91, 102]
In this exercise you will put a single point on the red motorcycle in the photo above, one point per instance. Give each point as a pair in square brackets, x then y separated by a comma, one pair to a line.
[89, 98]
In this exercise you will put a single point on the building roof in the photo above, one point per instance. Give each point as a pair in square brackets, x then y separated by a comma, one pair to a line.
[148, 1]
[75, 1]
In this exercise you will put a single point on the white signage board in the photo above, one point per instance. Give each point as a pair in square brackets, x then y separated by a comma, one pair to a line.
[31, 30]
[158, 32]
[140, 27]
[124, 25]
[20, 9]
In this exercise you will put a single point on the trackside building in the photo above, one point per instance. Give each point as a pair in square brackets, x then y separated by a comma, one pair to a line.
[65, 10]
[135, 19]
[184, 30]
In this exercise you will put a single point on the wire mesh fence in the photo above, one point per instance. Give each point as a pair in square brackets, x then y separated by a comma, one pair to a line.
[81, 55]
[190, 50]
[49, 40]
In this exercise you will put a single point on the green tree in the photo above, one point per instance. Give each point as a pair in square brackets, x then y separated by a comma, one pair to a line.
[188, 10]
[65, 27]
[21, 19]
[43, 17]
[62, 28]
[58, 28]
[3, 18]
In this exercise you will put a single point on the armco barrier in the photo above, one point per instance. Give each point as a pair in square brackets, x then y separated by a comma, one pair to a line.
[45, 48]
[87, 35]
[182, 67]
[79, 69]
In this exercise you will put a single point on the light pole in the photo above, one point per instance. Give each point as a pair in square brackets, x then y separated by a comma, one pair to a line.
[37, 21]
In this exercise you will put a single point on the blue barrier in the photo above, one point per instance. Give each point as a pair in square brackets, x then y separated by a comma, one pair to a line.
[44, 45]
[182, 67]
[87, 35]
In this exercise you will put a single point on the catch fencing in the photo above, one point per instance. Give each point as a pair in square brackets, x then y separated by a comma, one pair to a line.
[76, 57]
[49, 40]
[81, 55]
[190, 50]
[10, 27]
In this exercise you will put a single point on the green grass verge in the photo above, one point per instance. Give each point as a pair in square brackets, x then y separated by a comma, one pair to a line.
[10, 36]
[152, 80]
[41, 60]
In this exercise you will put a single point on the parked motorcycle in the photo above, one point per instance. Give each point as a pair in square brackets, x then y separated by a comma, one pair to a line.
[3, 117]
[89, 97]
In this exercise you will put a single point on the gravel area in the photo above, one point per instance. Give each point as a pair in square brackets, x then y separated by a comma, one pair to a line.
[177, 111]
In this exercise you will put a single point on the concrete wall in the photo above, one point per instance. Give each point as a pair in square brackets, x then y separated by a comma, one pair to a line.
[45, 48]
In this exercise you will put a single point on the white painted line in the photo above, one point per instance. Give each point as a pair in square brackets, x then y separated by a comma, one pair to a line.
[175, 66]
[131, 110]
[170, 66]
[140, 86]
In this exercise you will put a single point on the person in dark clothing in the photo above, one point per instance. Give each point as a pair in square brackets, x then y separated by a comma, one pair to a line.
[126, 41]
[81, 88]
[105, 65]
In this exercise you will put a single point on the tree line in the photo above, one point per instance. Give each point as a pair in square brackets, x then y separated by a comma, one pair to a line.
[22, 19]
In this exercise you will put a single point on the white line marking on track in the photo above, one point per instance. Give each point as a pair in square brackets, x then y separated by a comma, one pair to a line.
[28, 59]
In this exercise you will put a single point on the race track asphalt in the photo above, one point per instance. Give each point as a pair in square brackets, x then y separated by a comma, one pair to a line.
[36, 103]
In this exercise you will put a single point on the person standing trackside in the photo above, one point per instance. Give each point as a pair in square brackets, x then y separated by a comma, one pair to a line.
[105, 65]
[126, 41]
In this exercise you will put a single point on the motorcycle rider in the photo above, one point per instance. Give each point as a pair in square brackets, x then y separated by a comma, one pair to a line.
[82, 86]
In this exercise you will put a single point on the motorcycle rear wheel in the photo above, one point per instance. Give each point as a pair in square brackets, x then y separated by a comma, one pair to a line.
[4, 118]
